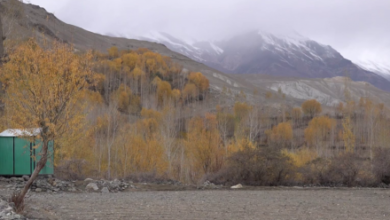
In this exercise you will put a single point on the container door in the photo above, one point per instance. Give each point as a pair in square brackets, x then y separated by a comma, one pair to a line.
[49, 167]
[22, 157]
[6, 156]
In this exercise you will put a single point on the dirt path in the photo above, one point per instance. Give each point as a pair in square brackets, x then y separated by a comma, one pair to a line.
[219, 204]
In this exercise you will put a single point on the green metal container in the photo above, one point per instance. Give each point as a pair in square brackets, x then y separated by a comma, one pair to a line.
[19, 156]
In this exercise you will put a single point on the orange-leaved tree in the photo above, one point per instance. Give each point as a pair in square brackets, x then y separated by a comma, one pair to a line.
[311, 108]
[280, 135]
[43, 90]
[318, 133]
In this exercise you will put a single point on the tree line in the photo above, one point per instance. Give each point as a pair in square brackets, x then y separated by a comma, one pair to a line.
[129, 112]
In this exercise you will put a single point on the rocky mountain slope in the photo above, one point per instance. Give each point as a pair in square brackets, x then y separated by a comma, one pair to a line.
[37, 22]
[259, 52]
[328, 91]
[41, 24]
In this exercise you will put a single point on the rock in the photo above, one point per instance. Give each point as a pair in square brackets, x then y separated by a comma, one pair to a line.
[88, 180]
[92, 186]
[38, 190]
[42, 183]
[105, 190]
[25, 178]
[6, 211]
[12, 205]
[115, 184]
[238, 186]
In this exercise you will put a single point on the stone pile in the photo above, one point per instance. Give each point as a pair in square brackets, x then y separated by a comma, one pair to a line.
[39, 185]
[6, 211]
[106, 186]
[53, 185]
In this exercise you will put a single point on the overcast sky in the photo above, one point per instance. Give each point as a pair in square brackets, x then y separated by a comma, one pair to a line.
[359, 29]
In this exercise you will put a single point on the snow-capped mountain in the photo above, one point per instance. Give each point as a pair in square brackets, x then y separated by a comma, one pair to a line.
[382, 69]
[196, 50]
[278, 54]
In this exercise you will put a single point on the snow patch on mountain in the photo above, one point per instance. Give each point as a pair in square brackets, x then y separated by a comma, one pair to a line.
[293, 43]
[377, 67]
[380, 68]
[217, 49]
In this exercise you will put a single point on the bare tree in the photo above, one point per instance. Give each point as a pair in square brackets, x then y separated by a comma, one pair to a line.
[168, 131]
[254, 123]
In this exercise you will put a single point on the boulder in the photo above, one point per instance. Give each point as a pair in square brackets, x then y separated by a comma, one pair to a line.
[92, 186]
[238, 186]
[105, 190]
[115, 184]
[6, 211]
[88, 180]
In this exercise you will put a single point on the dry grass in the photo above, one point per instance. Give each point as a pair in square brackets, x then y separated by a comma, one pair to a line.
[17, 201]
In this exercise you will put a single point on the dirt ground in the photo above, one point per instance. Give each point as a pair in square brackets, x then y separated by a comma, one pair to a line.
[256, 203]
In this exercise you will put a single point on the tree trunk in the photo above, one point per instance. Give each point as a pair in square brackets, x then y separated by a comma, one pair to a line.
[38, 168]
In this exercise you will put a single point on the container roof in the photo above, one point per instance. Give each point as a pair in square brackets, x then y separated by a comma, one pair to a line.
[20, 132]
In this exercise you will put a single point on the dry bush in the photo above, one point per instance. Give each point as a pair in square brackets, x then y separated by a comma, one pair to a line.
[347, 169]
[381, 165]
[18, 202]
[261, 166]
[313, 172]
[74, 169]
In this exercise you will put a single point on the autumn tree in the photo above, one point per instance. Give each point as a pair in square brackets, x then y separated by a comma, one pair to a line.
[317, 134]
[200, 81]
[241, 114]
[280, 135]
[43, 88]
[113, 52]
[311, 108]
[225, 123]
[203, 144]
[296, 115]
[348, 135]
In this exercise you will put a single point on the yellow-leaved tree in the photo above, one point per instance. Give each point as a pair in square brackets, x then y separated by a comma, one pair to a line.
[280, 135]
[43, 90]
[318, 133]
[311, 108]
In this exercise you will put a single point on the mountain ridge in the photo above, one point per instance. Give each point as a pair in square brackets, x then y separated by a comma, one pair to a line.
[260, 52]
[41, 24]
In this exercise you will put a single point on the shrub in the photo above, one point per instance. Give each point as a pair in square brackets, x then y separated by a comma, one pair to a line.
[18, 202]
[381, 165]
[347, 169]
[260, 166]
[72, 170]
[313, 172]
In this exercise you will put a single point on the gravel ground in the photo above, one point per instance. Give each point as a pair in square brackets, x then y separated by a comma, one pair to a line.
[282, 203]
